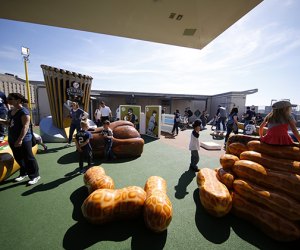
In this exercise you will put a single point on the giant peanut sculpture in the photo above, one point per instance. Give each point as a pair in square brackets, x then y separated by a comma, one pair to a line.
[127, 141]
[158, 209]
[95, 178]
[214, 195]
[106, 205]
[266, 185]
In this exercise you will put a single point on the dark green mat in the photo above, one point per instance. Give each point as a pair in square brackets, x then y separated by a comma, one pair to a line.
[48, 215]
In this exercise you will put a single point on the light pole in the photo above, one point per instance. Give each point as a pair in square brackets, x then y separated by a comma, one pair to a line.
[25, 54]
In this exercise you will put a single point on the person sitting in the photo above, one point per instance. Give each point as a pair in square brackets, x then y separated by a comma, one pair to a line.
[278, 122]
[250, 128]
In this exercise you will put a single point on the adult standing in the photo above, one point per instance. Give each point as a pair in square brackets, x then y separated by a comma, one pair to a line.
[20, 138]
[76, 114]
[232, 123]
[221, 117]
[3, 113]
[176, 122]
[105, 113]
[248, 116]
[97, 116]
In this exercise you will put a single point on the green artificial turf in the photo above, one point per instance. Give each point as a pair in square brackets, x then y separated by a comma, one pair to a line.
[48, 215]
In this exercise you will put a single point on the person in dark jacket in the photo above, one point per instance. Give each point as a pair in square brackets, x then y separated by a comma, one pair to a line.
[176, 122]
[20, 138]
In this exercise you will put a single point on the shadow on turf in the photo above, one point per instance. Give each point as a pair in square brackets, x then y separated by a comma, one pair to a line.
[53, 184]
[72, 157]
[185, 179]
[217, 230]
[14, 184]
[50, 150]
[83, 235]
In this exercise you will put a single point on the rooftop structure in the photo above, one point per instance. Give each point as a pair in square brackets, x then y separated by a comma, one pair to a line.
[189, 23]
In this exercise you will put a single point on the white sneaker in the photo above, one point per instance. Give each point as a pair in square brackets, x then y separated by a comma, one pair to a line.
[68, 145]
[34, 180]
[21, 178]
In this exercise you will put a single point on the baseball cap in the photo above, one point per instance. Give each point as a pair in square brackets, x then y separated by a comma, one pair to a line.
[282, 104]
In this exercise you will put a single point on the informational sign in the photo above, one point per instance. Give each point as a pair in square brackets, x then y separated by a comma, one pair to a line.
[131, 113]
[167, 122]
[153, 120]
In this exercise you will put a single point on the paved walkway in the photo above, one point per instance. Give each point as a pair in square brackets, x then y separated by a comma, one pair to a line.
[182, 141]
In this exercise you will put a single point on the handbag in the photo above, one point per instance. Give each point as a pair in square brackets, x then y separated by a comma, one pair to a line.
[33, 139]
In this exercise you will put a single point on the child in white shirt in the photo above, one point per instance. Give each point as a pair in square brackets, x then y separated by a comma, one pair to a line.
[195, 146]
[250, 128]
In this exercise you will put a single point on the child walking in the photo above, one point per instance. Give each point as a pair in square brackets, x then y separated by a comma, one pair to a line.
[83, 146]
[278, 122]
[194, 145]
[108, 140]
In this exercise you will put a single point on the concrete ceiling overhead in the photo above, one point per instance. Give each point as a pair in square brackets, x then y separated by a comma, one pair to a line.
[186, 23]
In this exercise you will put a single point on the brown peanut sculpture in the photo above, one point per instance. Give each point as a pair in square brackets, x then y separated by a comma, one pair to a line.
[214, 195]
[95, 178]
[266, 185]
[158, 210]
[228, 160]
[106, 205]
[127, 141]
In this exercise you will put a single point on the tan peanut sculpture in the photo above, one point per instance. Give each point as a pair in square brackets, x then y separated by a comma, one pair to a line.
[214, 195]
[158, 209]
[105, 205]
[266, 185]
[95, 178]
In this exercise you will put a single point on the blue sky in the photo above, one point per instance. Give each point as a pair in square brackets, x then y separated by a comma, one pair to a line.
[262, 50]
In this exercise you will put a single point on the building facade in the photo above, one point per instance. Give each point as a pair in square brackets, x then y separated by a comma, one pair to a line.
[170, 102]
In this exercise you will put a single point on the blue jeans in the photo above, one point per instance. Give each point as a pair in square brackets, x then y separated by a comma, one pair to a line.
[72, 129]
[230, 128]
[175, 127]
[108, 149]
[88, 154]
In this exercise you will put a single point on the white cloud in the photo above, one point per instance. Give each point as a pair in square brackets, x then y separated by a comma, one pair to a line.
[10, 53]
